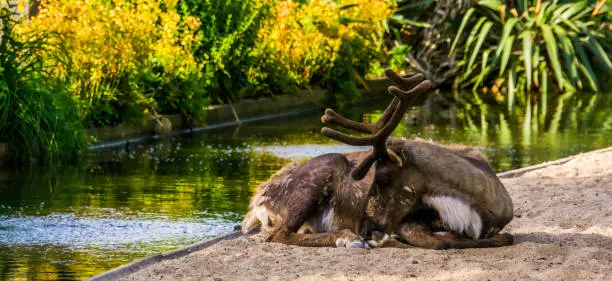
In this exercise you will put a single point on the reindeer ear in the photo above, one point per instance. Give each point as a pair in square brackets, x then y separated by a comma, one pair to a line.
[395, 158]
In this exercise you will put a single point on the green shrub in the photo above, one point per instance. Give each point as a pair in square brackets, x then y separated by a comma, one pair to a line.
[227, 35]
[254, 48]
[328, 43]
[529, 45]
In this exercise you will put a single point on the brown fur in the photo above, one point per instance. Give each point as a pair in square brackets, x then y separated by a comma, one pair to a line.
[300, 194]
[416, 187]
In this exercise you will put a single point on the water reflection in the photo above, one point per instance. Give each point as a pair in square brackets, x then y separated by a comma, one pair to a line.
[72, 223]
[126, 203]
[573, 123]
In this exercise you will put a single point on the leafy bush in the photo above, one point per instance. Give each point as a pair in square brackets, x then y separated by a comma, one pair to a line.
[123, 58]
[40, 122]
[319, 42]
[226, 38]
[526, 43]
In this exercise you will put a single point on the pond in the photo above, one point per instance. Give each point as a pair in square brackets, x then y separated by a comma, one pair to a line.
[122, 204]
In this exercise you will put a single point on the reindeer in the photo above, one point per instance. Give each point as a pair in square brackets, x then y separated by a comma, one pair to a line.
[429, 195]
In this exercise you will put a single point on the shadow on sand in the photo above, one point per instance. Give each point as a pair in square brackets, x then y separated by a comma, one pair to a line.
[576, 240]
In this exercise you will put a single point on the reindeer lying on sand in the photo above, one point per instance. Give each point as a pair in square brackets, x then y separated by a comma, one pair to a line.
[430, 195]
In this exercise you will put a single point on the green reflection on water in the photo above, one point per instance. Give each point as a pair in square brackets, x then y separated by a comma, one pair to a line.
[213, 175]
[572, 124]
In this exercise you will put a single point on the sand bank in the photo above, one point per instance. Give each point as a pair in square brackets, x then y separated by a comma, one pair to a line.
[562, 228]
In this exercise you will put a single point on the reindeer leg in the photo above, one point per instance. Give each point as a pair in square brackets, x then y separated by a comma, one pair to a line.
[497, 240]
[420, 236]
[344, 238]
[392, 243]
[383, 240]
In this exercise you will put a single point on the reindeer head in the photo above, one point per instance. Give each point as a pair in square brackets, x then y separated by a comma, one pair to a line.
[387, 159]
[388, 185]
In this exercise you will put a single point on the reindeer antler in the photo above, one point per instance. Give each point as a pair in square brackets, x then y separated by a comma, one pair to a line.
[409, 89]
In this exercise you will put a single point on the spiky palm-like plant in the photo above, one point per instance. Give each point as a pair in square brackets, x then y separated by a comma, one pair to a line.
[426, 26]
[526, 44]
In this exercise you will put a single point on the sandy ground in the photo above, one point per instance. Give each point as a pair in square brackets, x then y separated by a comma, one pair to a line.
[562, 228]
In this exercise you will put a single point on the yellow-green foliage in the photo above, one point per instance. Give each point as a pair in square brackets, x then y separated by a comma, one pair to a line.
[302, 41]
[119, 53]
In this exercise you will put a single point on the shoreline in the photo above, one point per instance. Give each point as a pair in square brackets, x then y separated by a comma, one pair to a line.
[217, 117]
[552, 171]
[223, 116]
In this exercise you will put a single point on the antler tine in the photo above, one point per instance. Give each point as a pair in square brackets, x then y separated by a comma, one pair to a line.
[410, 88]
[380, 150]
[404, 83]
[331, 117]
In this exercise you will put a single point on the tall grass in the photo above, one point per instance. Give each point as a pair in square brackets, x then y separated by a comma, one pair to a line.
[39, 122]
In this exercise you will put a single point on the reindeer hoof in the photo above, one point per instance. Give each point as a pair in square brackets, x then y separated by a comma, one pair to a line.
[378, 239]
[359, 244]
[441, 246]
[355, 244]
[504, 239]
[352, 241]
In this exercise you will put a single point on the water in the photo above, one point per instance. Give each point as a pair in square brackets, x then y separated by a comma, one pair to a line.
[123, 204]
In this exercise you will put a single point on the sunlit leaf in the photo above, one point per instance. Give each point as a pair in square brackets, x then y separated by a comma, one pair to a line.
[585, 72]
[556, 14]
[569, 55]
[483, 66]
[535, 61]
[511, 88]
[464, 22]
[507, 50]
[553, 54]
[584, 65]
[572, 9]
[527, 47]
[483, 35]
[472, 37]
[507, 30]
[415, 5]
[491, 4]
[544, 12]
